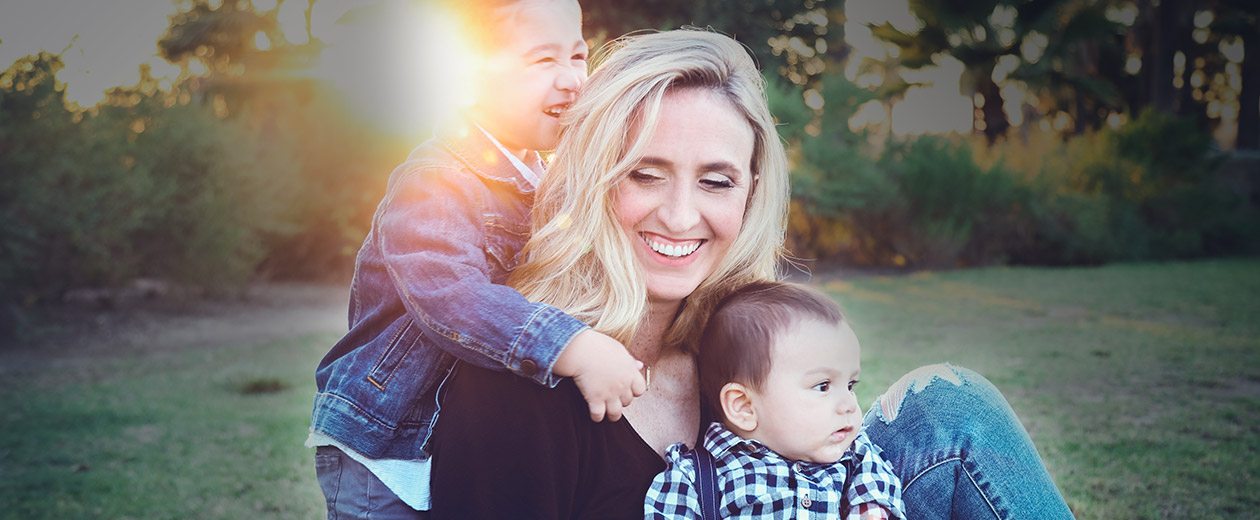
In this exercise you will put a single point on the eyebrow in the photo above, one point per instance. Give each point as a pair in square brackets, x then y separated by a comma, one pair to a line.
[552, 47]
[715, 166]
[828, 371]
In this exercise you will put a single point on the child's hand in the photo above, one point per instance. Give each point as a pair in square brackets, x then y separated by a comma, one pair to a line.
[606, 374]
[871, 511]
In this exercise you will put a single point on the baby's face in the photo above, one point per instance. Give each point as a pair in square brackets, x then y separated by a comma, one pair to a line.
[806, 409]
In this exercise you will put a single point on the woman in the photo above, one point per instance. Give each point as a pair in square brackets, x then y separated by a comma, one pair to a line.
[669, 189]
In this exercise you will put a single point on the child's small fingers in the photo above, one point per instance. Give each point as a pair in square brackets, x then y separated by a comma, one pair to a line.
[614, 411]
[639, 386]
[597, 411]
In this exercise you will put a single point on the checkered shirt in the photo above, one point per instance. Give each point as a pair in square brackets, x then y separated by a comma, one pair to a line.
[755, 482]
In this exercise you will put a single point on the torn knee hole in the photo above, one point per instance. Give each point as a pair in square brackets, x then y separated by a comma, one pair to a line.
[913, 382]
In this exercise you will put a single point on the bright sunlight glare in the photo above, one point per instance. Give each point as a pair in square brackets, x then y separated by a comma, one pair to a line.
[401, 65]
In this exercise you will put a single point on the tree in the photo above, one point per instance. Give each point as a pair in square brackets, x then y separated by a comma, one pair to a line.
[975, 33]
[1080, 70]
[798, 40]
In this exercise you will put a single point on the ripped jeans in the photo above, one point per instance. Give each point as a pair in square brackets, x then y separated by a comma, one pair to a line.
[960, 450]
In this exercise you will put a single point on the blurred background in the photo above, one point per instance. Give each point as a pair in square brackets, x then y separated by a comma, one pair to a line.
[221, 142]
[190, 151]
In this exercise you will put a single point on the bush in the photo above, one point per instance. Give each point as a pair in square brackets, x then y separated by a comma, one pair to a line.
[1148, 190]
[140, 187]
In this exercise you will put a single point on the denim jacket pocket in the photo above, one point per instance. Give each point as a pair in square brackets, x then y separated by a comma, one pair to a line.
[504, 239]
[401, 344]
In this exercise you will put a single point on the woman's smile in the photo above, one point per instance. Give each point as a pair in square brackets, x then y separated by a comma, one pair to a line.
[672, 250]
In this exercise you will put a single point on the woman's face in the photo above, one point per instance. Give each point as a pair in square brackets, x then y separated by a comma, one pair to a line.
[682, 205]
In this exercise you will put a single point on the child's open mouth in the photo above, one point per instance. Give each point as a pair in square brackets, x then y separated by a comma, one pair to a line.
[556, 110]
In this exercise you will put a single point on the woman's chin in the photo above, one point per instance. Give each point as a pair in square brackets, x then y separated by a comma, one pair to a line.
[667, 293]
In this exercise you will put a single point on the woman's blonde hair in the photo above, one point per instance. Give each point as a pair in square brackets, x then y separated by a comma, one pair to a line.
[579, 259]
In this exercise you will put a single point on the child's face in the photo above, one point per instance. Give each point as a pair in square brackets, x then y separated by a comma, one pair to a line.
[806, 409]
[532, 74]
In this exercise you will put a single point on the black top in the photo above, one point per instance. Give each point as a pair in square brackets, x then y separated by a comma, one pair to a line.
[507, 447]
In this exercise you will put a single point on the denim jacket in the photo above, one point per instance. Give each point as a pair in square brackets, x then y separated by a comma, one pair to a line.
[427, 290]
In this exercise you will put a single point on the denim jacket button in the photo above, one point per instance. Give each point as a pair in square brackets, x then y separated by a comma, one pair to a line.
[529, 367]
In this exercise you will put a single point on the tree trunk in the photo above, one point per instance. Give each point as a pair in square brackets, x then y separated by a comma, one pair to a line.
[995, 122]
[1165, 36]
[1249, 98]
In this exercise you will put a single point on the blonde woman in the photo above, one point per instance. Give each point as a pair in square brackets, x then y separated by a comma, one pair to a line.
[668, 190]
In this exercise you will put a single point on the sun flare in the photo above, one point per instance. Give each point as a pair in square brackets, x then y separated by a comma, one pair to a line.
[401, 66]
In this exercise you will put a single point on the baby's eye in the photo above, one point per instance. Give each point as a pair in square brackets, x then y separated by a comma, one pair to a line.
[578, 57]
[823, 386]
[852, 384]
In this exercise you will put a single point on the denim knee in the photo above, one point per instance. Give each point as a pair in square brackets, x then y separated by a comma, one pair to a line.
[960, 449]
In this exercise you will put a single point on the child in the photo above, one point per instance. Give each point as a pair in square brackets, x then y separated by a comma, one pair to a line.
[778, 363]
[427, 283]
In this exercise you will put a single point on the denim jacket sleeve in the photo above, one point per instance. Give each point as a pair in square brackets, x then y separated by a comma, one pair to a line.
[432, 241]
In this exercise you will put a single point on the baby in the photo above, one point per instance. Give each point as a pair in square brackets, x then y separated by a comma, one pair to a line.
[778, 363]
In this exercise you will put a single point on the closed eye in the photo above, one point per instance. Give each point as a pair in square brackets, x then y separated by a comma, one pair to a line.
[643, 177]
[717, 184]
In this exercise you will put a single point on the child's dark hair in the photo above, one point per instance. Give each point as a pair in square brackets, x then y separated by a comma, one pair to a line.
[736, 343]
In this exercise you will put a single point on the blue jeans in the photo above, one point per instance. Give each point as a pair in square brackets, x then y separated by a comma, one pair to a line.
[351, 491]
[960, 450]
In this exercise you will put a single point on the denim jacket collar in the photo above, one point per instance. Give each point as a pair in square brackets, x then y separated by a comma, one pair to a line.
[468, 144]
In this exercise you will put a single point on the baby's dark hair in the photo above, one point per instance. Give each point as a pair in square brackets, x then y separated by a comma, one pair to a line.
[736, 343]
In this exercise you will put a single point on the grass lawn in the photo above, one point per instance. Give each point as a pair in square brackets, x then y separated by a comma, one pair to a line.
[1139, 383]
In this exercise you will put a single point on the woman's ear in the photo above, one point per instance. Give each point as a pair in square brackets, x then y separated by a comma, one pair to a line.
[737, 406]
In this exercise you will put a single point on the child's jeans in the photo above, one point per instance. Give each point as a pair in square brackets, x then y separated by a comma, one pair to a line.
[351, 491]
[960, 450]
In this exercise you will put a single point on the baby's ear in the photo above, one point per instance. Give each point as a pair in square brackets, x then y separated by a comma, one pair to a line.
[737, 406]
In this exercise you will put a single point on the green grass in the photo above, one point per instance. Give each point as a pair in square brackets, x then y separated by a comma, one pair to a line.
[1139, 383]
[204, 433]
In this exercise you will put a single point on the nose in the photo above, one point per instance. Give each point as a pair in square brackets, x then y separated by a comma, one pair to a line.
[848, 405]
[678, 212]
[571, 78]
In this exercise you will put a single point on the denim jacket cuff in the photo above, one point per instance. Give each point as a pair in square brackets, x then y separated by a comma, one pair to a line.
[546, 334]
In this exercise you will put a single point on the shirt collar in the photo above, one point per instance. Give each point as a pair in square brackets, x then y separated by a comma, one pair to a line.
[530, 174]
[720, 441]
[478, 152]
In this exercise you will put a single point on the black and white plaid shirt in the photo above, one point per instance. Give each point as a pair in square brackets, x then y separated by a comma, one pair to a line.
[755, 482]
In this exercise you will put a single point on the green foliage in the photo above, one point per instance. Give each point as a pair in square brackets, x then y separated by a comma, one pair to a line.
[943, 205]
[796, 40]
[141, 187]
[1148, 190]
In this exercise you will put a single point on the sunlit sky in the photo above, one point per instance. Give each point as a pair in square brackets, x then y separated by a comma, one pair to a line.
[103, 44]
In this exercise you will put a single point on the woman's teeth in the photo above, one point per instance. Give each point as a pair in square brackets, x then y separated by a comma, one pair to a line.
[673, 250]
